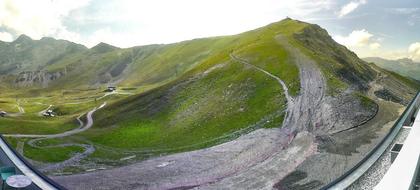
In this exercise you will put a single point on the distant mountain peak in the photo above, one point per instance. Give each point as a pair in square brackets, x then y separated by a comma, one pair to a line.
[406, 60]
[23, 38]
[103, 47]
[47, 39]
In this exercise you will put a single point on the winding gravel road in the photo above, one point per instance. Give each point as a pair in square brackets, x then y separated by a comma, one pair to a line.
[256, 160]
[281, 82]
[64, 134]
[88, 149]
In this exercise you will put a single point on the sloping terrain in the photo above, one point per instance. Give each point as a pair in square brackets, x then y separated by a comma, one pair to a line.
[283, 106]
[319, 111]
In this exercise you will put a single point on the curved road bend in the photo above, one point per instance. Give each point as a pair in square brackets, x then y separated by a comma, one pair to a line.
[64, 134]
[89, 149]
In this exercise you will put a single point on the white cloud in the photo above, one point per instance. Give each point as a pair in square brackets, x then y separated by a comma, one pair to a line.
[6, 37]
[391, 54]
[357, 38]
[302, 8]
[414, 51]
[151, 22]
[374, 46]
[403, 11]
[37, 18]
[127, 23]
[107, 36]
[362, 42]
[350, 7]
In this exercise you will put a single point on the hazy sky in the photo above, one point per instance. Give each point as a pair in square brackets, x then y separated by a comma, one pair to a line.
[386, 28]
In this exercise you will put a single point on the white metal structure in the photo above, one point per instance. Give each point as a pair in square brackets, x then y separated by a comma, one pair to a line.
[403, 172]
[405, 120]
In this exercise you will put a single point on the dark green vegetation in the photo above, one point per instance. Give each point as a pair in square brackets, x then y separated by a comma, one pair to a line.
[405, 67]
[185, 96]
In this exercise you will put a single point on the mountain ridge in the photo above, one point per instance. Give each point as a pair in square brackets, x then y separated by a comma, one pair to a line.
[283, 87]
[404, 66]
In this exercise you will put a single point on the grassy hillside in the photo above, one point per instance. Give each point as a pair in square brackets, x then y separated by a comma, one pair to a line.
[185, 96]
[216, 100]
[341, 67]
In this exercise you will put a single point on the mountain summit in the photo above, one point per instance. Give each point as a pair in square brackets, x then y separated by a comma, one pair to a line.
[103, 48]
[22, 38]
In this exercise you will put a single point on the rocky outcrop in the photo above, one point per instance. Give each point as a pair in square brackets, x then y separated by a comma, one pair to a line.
[37, 78]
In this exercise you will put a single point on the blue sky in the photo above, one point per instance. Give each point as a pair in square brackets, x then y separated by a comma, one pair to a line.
[384, 28]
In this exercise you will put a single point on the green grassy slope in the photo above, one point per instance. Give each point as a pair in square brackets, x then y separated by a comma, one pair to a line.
[188, 95]
[191, 112]
[138, 66]
[212, 102]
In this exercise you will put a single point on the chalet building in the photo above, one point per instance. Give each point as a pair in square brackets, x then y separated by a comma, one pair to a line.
[49, 113]
[111, 89]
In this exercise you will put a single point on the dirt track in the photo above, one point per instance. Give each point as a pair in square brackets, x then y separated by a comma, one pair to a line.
[89, 149]
[64, 134]
[253, 161]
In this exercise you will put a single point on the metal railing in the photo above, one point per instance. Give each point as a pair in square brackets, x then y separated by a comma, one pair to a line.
[9, 157]
[363, 165]
[404, 170]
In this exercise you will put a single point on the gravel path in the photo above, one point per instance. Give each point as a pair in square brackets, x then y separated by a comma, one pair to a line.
[281, 82]
[253, 161]
[88, 149]
[64, 134]
[103, 96]
[21, 110]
